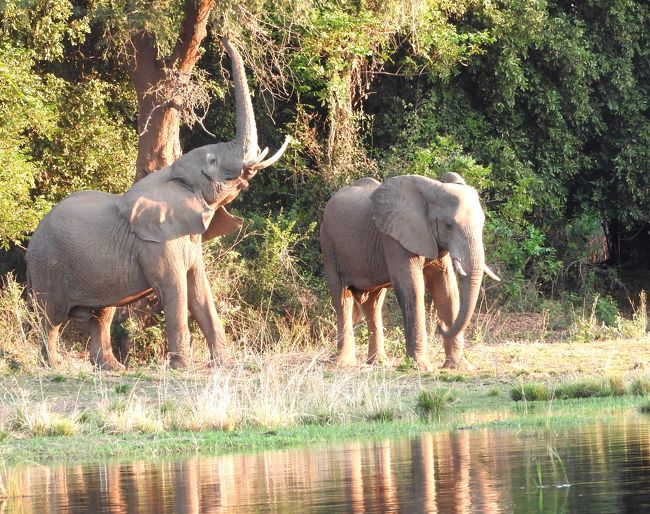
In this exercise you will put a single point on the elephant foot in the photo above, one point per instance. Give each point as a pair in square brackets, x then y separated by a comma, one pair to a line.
[346, 359]
[110, 365]
[223, 360]
[377, 358]
[177, 360]
[460, 364]
[424, 364]
[52, 361]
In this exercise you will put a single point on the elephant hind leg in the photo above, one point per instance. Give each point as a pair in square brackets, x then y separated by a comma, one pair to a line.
[51, 319]
[49, 343]
[101, 353]
[372, 306]
[344, 305]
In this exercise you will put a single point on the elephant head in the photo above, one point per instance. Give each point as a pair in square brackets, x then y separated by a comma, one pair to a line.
[428, 218]
[183, 198]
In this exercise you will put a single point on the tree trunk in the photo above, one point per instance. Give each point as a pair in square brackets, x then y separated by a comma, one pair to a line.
[159, 123]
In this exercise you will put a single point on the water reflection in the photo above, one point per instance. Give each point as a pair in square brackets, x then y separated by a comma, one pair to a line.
[600, 468]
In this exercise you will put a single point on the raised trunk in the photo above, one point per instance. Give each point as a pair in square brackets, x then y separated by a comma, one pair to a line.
[246, 129]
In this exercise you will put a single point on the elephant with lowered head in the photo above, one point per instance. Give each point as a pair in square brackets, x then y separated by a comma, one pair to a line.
[409, 233]
[96, 251]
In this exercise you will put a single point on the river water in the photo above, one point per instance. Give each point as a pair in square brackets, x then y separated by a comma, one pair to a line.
[592, 469]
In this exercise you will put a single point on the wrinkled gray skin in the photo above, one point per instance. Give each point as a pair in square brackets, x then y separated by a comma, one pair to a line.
[96, 251]
[409, 233]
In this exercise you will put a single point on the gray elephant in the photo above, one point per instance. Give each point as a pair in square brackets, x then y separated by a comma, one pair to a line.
[409, 233]
[96, 251]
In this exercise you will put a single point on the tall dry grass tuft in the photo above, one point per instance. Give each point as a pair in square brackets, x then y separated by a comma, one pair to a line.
[41, 417]
[19, 327]
[637, 326]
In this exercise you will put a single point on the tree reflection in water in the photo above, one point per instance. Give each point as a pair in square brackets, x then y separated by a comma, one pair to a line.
[598, 468]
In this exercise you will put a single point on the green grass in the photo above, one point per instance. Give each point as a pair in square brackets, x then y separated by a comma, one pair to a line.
[431, 404]
[531, 392]
[87, 448]
[122, 389]
[590, 387]
[640, 386]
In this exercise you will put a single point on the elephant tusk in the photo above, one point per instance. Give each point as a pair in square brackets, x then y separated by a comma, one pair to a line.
[256, 160]
[271, 160]
[459, 268]
[490, 273]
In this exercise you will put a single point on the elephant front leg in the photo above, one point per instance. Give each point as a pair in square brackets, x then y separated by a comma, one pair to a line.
[101, 353]
[408, 282]
[443, 286]
[372, 309]
[173, 298]
[201, 305]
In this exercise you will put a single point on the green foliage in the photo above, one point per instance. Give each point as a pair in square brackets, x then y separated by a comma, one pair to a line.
[147, 342]
[275, 270]
[542, 106]
[25, 107]
[84, 113]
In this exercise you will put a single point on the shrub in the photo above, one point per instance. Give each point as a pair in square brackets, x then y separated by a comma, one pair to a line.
[430, 404]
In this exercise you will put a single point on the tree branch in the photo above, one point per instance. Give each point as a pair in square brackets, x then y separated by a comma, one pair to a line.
[143, 64]
[193, 31]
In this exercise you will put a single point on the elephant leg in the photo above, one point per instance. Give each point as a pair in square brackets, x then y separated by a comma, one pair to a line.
[406, 275]
[443, 286]
[343, 302]
[101, 353]
[49, 343]
[372, 311]
[50, 324]
[346, 348]
[173, 297]
[201, 306]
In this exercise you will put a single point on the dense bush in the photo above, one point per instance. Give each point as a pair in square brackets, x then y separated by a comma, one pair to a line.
[542, 106]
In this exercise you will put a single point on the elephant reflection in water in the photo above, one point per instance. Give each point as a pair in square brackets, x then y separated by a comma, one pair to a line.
[436, 473]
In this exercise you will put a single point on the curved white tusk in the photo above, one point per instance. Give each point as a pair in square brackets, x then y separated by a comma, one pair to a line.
[255, 160]
[459, 267]
[491, 273]
[271, 160]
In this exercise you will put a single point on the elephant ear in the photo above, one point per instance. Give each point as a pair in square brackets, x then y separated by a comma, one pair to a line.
[222, 223]
[400, 211]
[164, 210]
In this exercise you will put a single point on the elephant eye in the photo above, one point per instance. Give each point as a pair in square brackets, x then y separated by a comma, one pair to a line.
[212, 162]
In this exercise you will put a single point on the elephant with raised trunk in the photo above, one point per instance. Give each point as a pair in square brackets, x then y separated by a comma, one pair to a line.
[96, 251]
[409, 233]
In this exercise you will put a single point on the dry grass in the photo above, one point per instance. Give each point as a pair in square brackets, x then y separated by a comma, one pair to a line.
[287, 380]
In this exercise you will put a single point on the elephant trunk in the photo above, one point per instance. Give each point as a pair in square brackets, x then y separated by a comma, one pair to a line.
[246, 129]
[470, 286]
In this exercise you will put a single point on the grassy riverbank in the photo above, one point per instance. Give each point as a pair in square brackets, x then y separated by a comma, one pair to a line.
[290, 399]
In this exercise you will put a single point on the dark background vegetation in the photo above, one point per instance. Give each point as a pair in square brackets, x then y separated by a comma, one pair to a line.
[542, 106]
